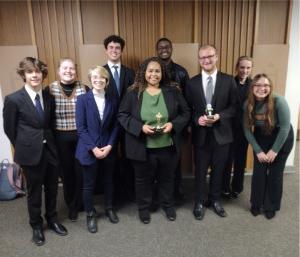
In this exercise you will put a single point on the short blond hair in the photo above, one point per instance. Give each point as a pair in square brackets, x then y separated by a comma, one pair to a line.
[101, 71]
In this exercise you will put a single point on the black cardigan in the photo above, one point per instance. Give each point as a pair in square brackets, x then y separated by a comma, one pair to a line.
[129, 117]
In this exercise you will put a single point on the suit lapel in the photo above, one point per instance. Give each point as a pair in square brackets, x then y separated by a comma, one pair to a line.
[200, 90]
[217, 90]
[46, 107]
[92, 105]
[107, 109]
[122, 79]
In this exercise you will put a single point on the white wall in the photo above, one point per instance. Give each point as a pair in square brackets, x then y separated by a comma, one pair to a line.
[292, 91]
[5, 149]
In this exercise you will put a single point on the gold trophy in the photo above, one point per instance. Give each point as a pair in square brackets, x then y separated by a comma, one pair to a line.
[158, 128]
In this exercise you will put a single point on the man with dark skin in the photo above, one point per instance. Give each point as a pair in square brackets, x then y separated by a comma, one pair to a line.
[180, 76]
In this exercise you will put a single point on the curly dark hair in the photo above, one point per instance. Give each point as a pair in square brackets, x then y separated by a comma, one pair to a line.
[29, 64]
[115, 39]
[140, 82]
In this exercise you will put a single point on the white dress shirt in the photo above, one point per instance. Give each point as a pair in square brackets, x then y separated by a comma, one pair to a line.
[112, 69]
[205, 79]
[32, 95]
[100, 101]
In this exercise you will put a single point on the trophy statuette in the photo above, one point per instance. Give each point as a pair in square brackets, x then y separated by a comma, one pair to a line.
[209, 111]
[158, 128]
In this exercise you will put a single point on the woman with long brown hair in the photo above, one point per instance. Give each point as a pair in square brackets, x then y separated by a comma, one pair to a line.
[267, 128]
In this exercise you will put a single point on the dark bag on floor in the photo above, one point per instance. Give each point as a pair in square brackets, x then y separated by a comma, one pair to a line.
[11, 181]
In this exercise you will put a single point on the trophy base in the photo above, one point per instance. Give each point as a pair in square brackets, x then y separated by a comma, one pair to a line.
[158, 130]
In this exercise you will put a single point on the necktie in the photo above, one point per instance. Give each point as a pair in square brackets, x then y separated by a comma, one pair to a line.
[209, 90]
[117, 78]
[39, 108]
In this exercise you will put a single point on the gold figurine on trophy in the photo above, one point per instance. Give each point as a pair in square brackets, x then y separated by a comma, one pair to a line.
[158, 127]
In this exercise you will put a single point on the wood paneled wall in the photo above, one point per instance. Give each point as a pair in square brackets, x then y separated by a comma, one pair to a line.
[58, 27]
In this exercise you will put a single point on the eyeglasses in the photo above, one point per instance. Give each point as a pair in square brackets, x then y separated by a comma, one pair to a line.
[206, 57]
[262, 85]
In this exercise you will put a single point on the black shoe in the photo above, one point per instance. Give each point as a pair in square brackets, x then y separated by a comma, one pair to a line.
[170, 213]
[199, 211]
[38, 236]
[270, 214]
[255, 211]
[91, 222]
[218, 209]
[226, 195]
[145, 216]
[58, 228]
[73, 216]
[234, 195]
[112, 216]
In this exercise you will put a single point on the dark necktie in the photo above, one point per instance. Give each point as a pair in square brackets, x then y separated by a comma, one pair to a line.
[39, 107]
[209, 90]
[117, 78]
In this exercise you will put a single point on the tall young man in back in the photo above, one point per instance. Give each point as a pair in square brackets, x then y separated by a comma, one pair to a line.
[121, 77]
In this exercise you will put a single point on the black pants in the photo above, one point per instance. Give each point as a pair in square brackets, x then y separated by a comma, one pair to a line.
[105, 168]
[71, 172]
[267, 179]
[124, 179]
[236, 160]
[214, 155]
[44, 173]
[161, 164]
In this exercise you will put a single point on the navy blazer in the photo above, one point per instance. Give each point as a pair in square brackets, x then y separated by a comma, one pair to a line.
[92, 131]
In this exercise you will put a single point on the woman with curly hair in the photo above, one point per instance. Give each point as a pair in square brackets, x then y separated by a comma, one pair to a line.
[153, 115]
[267, 128]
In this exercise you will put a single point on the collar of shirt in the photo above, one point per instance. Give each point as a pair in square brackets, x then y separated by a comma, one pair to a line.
[111, 64]
[205, 78]
[98, 94]
[32, 95]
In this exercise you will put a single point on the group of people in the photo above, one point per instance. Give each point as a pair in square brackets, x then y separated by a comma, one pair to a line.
[127, 128]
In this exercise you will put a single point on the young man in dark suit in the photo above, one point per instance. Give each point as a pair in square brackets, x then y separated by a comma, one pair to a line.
[121, 77]
[212, 97]
[178, 74]
[28, 115]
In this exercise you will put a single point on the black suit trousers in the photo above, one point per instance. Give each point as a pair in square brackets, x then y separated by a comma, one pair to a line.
[71, 172]
[236, 161]
[214, 155]
[161, 164]
[44, 173]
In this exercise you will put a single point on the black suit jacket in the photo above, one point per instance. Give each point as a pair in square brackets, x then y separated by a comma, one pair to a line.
[130, 119]
[126, 80]
[223, 102]
[25, 130]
